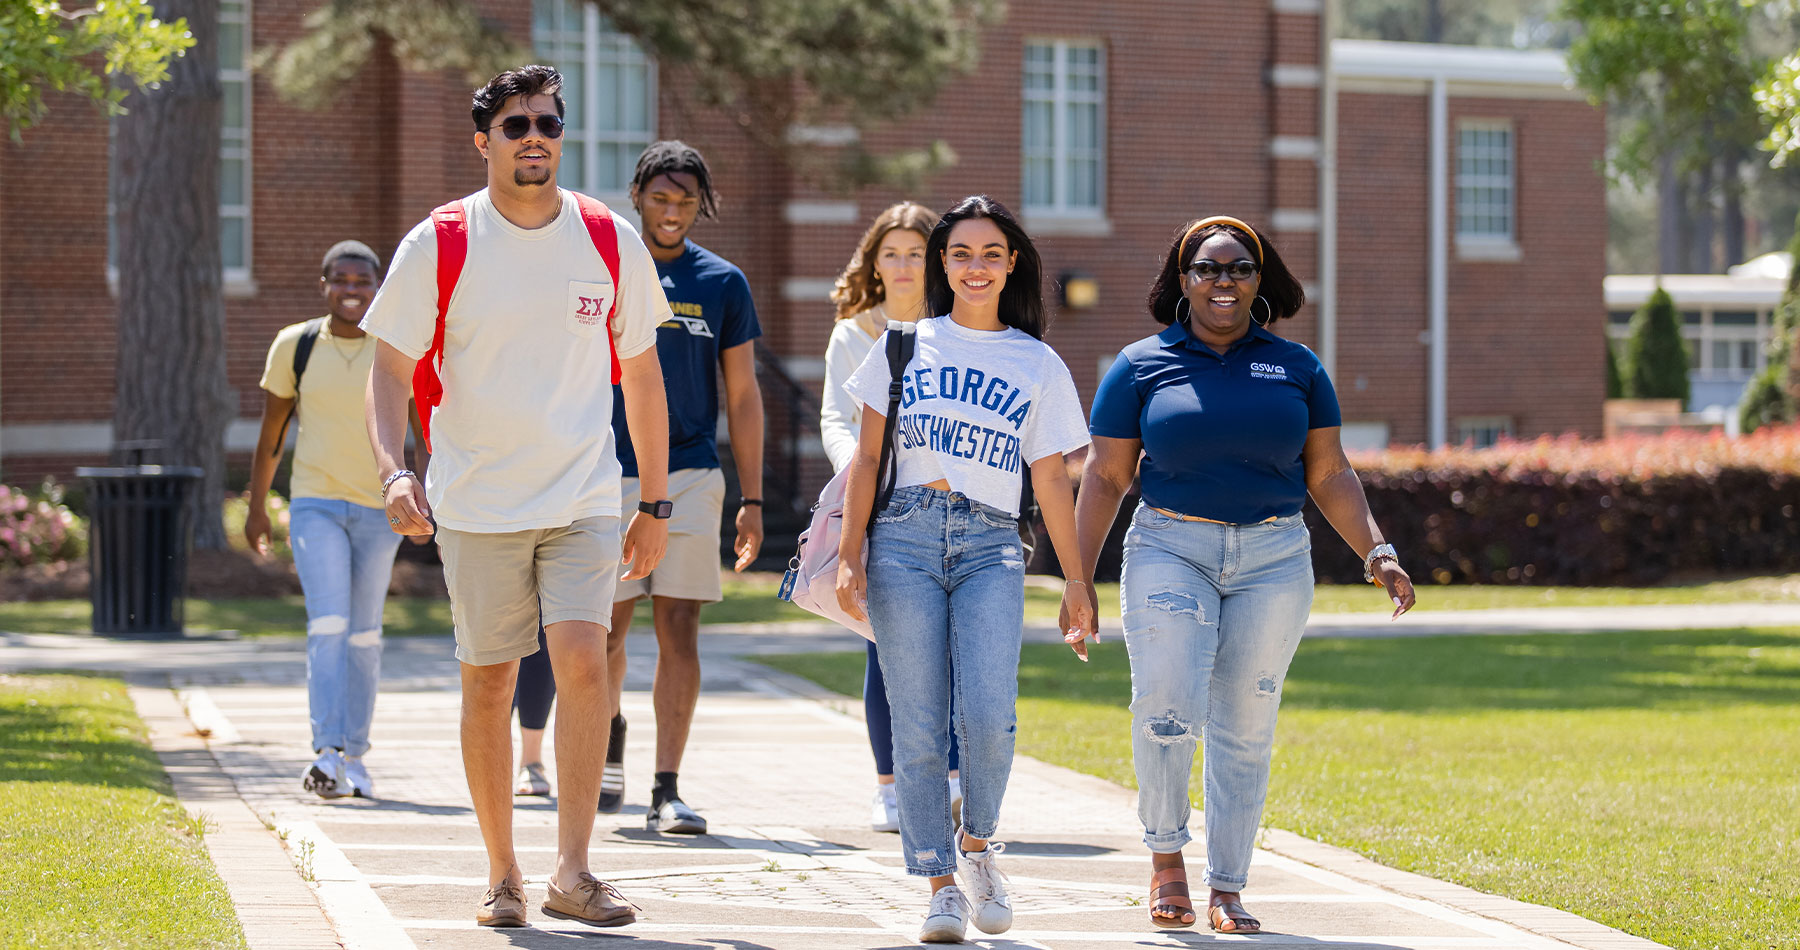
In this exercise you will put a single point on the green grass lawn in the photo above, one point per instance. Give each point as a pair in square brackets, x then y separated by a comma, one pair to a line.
[751, 598]
[94, 850]
[1650, 781]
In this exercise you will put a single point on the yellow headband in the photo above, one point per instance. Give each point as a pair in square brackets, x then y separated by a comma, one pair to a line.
[1225, 220]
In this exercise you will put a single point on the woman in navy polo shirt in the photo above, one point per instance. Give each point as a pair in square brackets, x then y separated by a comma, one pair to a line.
[1236, 427]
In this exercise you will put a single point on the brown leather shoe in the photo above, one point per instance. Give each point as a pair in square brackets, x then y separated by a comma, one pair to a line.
[502, 906]
[592, 902]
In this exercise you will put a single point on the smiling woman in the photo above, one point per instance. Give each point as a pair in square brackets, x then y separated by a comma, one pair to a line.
[1235, 427]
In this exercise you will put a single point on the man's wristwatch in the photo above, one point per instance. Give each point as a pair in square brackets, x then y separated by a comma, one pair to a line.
[1380, 552]
[660, 510]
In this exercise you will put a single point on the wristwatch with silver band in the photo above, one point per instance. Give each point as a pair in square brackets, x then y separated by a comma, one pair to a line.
[1380, 552]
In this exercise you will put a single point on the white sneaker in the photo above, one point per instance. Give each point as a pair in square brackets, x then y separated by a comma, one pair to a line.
[993, 912]
[956, 801]
[885, 814]
[361, 785]
[947, 920]
[326, 776]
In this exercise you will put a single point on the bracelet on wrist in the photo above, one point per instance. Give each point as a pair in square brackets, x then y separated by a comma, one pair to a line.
[389, 481]
[742, 502]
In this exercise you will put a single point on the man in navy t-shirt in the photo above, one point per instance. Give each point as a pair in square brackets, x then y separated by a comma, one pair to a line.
[710, 338]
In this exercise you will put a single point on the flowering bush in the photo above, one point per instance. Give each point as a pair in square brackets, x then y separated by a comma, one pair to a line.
[1634, 510]
[37, 528]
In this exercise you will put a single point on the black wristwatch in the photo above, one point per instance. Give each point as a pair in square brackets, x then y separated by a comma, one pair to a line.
[660, 510]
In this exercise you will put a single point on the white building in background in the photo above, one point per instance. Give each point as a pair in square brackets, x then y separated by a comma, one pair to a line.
[1725, 320]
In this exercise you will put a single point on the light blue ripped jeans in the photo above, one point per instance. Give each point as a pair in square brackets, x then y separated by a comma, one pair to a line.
[344, 554]
[1213, 614]
[947, 601]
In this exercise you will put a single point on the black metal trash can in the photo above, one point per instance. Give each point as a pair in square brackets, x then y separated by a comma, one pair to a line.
[139, 534]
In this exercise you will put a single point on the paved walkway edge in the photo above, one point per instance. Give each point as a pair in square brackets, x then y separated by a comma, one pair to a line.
[275, 908]
[1548, 922]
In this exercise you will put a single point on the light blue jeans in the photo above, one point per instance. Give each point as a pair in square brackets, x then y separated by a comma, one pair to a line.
[947, 601]
[1212, 615]
[344, 554]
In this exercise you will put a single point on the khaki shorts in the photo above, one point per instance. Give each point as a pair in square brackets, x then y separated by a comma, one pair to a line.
[503, 585]
[690, 568]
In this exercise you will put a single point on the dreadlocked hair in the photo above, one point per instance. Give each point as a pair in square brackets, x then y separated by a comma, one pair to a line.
[674, 155]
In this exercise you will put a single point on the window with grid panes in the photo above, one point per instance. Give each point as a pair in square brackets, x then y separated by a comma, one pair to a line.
[609, 92]
[234, 138]
[1063, 147]
[1484, 182]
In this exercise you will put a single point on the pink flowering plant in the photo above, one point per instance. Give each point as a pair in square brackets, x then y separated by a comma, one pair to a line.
[37, 528]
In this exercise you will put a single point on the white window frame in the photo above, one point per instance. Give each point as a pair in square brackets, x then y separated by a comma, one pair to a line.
[601, 45]
[1059, 216]
[1701, 336]
[1485, 245]
[1468, 427]
[240, 277]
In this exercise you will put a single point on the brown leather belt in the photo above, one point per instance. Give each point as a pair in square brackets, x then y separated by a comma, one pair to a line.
[1178, 516]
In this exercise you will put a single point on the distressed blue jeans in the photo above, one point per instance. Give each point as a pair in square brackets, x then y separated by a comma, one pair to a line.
[1213, 614]
[344, 554]
[947, 601]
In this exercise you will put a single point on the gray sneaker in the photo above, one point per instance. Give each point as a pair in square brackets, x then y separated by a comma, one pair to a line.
[947, 920]
[675, 818]
[326, 777]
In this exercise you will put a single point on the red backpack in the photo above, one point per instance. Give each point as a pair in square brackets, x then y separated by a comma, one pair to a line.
[452, 227]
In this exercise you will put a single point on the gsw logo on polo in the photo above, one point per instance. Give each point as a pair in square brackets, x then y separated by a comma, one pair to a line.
[1268, 371]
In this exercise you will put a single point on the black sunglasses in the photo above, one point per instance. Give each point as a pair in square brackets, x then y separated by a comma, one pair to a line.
[1208, 269]
[516, 126]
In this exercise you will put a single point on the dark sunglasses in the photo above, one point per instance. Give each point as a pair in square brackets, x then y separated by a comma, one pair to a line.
[516, 126]
[1208, 269]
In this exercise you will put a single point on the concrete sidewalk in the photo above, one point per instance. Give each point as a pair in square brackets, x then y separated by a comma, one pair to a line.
[782, 773]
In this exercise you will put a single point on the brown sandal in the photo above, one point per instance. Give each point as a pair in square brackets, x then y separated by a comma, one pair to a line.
[1167, 912]
[1230, 911]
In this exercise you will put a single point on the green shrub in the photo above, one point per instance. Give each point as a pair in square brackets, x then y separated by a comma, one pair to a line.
[1656, 358]
[1615, 386]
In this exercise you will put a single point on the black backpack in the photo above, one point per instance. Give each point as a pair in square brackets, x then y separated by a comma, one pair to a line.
[302, 354]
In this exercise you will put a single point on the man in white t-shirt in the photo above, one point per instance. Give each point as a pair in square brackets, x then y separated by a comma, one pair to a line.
[524, 483]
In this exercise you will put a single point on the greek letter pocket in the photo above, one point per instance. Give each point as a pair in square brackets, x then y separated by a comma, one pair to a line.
[589, 302]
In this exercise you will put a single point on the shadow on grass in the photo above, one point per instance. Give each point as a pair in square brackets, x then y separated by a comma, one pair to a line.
[1664, 669]
[46, 738]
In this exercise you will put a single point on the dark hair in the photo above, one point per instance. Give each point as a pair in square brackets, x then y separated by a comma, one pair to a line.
[857, 288]
[353, 250]
[1022, 299]
[674, 155]
[1279, 287]
[524, 81]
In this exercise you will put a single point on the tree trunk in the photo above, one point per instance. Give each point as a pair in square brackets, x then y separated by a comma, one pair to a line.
[1671, 214]
[1434, 21]
[1700, 260]
[172, 386]
[1733, 227]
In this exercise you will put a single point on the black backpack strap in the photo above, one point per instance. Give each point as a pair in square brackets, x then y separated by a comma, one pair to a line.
[302, 355]
[901, 341]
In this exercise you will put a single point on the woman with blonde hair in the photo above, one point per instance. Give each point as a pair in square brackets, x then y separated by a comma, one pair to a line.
[885, 280]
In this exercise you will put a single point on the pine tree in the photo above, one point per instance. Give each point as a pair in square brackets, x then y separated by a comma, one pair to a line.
[1656, 359]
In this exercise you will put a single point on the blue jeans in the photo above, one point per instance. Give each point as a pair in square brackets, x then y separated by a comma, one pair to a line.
[1212, 615]
[344, 554]
[879, 718]
[947, 601]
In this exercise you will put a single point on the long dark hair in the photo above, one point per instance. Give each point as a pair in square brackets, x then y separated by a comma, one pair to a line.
[1022, 299]
[1278, 286]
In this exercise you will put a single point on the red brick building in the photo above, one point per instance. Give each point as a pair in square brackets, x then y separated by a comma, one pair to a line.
[1105, 125]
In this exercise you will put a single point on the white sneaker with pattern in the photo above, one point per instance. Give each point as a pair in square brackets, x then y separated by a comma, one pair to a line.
[985, 881]
[947, 920]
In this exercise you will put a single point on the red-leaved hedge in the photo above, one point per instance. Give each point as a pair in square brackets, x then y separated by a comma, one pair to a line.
[1565, 511]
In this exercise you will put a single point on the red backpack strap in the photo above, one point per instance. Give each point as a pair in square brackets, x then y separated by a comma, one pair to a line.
[605, 233]
[452, 228]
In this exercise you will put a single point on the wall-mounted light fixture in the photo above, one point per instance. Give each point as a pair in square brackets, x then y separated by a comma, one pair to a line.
[1080, 291]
